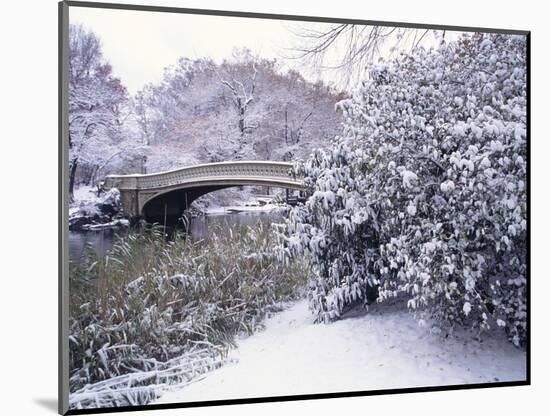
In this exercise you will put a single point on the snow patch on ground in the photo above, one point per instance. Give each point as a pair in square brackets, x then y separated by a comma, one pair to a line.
[85, 194]
[384, 348]
[241, 208]
[121, 222]
[252, 204]
[90, 211]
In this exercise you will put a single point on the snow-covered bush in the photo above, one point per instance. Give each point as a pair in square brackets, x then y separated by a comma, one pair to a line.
[425, 193]
[336, 226]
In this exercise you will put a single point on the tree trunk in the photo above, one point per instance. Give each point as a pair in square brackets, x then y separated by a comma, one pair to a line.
[241, 111]
[72, 174]
[241, 126]
[286, 125]
[144, 164]
[93, 175]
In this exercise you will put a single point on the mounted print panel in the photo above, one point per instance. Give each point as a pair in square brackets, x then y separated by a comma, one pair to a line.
[264, 207]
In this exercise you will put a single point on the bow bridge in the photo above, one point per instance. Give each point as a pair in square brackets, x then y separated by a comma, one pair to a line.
[164, 196]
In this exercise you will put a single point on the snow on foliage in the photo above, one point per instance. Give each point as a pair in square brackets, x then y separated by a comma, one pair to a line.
[100, 132]
[152, 313]
[425, 193]
[245, 107]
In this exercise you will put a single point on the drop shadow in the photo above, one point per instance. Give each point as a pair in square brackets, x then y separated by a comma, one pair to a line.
[49, 404]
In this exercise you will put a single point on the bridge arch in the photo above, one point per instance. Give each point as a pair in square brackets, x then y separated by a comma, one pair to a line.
[168, 194]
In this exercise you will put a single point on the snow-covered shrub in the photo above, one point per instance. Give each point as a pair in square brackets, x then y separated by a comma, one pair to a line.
[425, 193]
[336, 226]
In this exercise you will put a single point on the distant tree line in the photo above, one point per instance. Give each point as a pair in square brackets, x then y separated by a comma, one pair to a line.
[244, 108]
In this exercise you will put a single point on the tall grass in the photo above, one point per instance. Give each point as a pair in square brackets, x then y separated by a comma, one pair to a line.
[154, 312]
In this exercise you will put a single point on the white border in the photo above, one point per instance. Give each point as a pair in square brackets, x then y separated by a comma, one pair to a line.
[29, 206]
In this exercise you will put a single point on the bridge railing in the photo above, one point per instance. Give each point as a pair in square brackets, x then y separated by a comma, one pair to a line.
[248, 169]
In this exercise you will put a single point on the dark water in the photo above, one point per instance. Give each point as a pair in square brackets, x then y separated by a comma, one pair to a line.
[199, 228]
[101, 240]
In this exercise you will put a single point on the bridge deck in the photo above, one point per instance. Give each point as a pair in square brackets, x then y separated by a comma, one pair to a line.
[137, 190]
[277, 172]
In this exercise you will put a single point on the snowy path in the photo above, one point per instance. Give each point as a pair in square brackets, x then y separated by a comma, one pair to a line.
[382, 349]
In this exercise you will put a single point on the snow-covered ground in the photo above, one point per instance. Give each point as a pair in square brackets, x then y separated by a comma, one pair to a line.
[90, 211]
[241, 208]
[384, 348]
[251, 204]
[85, 194]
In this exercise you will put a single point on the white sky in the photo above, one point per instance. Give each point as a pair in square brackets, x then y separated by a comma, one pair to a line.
[140, 44]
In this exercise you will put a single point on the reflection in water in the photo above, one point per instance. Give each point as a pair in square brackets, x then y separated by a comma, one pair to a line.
[199, 228]
[100, 240]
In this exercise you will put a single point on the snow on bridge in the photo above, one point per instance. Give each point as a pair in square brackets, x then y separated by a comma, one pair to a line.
[168, 194]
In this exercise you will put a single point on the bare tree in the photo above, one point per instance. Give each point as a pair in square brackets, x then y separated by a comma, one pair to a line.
[243, 107]
[348, 48]
[242, 98]
[95, 99]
